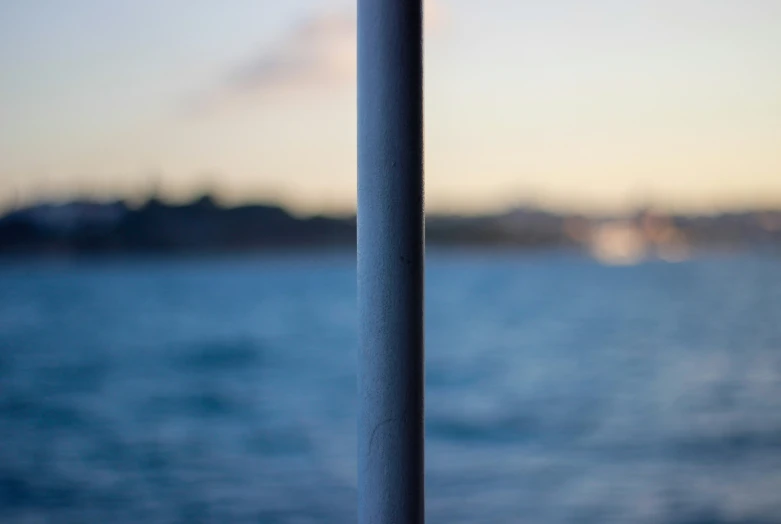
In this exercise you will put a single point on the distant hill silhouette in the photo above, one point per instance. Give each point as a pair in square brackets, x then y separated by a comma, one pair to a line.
[200, 226]
[203, 226]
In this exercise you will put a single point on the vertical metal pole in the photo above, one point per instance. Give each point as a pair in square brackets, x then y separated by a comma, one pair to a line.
[390, 261]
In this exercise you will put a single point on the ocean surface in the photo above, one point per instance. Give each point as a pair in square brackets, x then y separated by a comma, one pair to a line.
[558, 390]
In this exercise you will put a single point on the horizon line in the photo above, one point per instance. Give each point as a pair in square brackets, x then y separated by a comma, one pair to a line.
[531, 204]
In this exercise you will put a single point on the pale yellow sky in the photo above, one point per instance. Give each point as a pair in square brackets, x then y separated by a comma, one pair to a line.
[587, 105]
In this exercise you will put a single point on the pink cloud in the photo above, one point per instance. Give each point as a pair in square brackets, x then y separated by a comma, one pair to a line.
[317, 52]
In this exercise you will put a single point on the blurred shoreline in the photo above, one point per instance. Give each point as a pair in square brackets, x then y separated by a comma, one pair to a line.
[203, 227]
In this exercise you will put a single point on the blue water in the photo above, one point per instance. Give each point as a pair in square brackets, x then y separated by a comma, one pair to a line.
[558, 390]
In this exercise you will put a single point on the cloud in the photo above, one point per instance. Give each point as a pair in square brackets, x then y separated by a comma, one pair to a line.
[318, 52]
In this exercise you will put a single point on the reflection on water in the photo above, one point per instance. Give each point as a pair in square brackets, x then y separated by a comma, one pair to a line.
[558, 390]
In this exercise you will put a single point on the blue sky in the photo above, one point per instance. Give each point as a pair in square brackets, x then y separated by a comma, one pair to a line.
[578, 104]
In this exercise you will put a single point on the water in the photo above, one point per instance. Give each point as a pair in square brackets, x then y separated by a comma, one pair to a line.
[558, 390]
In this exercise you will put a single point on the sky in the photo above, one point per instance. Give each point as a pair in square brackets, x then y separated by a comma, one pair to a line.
[569, 104]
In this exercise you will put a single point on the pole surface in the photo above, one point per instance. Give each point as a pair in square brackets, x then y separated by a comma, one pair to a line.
[390, 262]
